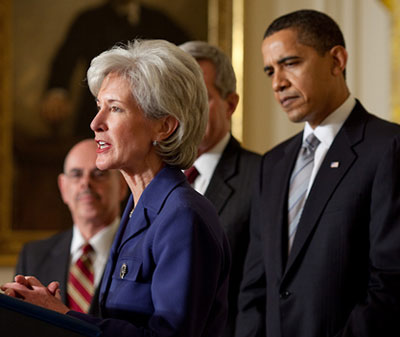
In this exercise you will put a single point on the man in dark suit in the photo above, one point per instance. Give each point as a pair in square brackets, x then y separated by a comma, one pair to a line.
[93, 197]
[340, 275]
[225, 168]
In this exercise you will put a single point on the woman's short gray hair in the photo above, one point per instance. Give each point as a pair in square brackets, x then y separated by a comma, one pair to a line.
[225, 79]
[165, 81]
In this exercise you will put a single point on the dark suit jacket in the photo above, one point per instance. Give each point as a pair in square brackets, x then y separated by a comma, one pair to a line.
[342, 277]
[48, 260]
[169, 265]
[230, 190]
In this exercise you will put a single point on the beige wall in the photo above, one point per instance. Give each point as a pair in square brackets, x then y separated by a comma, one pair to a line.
[368, 71]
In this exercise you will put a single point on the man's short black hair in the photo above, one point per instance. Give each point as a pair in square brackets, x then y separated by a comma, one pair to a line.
[314, 29]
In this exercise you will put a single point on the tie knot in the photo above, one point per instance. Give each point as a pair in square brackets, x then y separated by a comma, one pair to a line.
[311, 142]
[191, 174]
[86, 248]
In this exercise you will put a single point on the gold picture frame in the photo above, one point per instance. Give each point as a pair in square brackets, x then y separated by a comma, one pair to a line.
[219, 23]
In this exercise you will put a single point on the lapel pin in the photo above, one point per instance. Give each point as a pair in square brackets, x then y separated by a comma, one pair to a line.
[123, 271]
[335, 164]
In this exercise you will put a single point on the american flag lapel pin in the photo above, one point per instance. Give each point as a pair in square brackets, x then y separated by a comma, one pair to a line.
[335, 164]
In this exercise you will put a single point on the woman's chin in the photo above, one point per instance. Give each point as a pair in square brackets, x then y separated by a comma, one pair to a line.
[102, 164]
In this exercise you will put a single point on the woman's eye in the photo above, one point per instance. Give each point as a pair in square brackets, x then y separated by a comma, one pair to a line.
[115, 109]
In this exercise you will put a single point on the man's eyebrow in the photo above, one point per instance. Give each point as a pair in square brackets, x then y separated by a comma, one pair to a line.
[282, 60]
[288, 58]
[73, 170]
[267, 69]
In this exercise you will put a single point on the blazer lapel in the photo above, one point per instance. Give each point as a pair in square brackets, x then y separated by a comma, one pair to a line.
[329, 176]
[219, 189]
[146, 209]
[152, 201]
[136, 224]
[277, 213]
[112, 258]
[59, 259]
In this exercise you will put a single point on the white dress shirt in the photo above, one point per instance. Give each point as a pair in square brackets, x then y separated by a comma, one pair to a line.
[101, 244]
[326, 133]
[207, 163]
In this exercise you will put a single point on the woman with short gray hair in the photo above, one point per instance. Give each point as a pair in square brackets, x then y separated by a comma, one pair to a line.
[174, 91]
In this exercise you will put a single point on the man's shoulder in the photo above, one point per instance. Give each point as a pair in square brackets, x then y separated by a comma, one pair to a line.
[381, 126]
[369, 126]
[234, 147]
[281, 148]
[48, 243]
[250, 155]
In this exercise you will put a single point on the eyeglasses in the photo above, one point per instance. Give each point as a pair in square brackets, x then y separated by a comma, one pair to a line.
[97, 175]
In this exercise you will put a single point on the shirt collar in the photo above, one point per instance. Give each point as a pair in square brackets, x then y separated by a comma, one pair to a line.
[330, 126]
[207, 162]
[100, 242]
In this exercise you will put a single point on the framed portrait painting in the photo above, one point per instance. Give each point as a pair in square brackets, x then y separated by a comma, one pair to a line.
[45, 103]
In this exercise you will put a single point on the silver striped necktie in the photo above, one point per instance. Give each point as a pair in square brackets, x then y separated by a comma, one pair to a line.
[299, 183]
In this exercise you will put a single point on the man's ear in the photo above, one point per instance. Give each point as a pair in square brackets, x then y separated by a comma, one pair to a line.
[61, 186]
[232, 99]
[167, 127]
[339, 57]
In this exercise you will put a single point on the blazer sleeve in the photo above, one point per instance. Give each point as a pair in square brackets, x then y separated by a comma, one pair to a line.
[379, 314]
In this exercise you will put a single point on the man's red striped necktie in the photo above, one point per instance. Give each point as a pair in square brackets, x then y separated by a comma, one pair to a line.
[191, 174]
[81, 282]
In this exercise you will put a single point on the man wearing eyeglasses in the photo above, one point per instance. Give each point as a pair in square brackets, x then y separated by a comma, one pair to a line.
[93, 198]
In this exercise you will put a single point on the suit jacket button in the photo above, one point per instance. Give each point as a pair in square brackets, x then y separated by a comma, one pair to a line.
[284, 294]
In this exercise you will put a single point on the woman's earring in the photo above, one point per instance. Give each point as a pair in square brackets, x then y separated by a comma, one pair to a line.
[155, 143]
